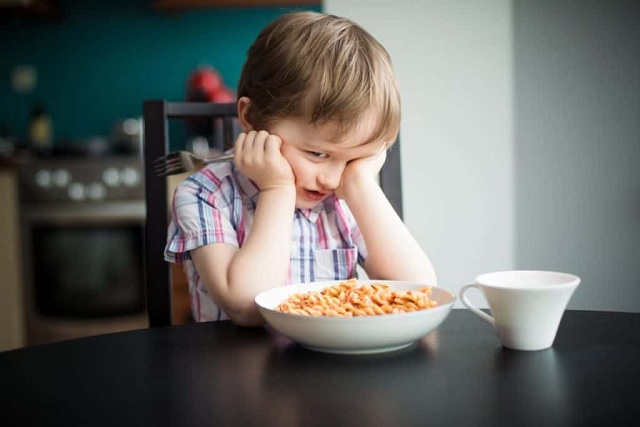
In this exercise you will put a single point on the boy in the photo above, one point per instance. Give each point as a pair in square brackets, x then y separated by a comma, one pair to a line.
[319, 106]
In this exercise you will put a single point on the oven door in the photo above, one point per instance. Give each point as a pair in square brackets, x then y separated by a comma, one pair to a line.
[85, 261]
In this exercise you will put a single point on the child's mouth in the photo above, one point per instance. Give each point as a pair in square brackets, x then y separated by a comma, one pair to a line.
[314, 195]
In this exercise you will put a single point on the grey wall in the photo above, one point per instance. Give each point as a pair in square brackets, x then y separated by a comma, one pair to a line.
[520, 136]
[577, 145]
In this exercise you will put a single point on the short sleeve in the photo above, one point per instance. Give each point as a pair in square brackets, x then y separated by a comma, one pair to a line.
[202, 213]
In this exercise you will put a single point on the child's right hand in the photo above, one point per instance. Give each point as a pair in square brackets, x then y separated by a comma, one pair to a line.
[257, 155]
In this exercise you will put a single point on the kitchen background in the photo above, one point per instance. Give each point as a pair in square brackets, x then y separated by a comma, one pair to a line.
[521, 118]
[66, 213]
[100, 60]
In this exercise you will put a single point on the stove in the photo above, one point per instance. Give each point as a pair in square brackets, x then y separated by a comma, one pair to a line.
[82, 221]
[81, 179]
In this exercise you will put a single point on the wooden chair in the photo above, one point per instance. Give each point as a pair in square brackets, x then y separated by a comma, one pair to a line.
[157, 114]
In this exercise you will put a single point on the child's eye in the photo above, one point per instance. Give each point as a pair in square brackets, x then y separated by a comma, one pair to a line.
[318, 155]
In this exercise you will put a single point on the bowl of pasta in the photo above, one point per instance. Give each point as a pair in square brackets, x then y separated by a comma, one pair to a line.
[355, 317]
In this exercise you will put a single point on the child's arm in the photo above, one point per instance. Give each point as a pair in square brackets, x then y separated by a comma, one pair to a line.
[393, 253]
[234, 277]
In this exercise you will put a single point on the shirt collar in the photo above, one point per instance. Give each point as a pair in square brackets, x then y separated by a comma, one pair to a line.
[313, 213]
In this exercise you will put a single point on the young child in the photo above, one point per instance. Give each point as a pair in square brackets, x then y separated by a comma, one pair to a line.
[319, 105]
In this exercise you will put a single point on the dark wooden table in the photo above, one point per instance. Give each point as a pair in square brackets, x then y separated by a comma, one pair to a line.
[215, 374]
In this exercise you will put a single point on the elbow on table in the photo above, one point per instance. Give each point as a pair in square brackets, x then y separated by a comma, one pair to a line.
[246, 316]
[240, 308]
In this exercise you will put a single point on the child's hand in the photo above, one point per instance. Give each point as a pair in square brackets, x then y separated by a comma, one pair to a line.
[258, 156]
[361, 171]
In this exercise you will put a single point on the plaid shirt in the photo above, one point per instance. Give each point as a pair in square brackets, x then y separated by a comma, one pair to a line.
[217, 205]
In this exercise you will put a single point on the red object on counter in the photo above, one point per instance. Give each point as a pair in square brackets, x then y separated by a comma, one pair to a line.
[206, 84]
[224, 95]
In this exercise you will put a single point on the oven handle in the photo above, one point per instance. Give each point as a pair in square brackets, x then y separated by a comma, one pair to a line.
[112, 212]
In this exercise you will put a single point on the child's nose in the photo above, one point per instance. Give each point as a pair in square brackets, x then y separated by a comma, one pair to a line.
[329, 179]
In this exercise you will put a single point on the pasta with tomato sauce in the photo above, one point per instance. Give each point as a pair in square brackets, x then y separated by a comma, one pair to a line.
[348, 299]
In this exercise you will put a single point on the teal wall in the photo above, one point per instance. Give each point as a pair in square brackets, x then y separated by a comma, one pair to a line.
[105, 57]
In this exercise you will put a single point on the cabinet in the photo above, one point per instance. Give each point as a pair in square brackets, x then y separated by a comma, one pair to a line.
[178, 5]
[11, 303]
[30, 9]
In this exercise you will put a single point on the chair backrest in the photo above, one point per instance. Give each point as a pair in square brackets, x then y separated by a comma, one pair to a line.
[157, 114]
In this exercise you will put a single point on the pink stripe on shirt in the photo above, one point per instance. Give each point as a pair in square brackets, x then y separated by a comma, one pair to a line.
[322, 234]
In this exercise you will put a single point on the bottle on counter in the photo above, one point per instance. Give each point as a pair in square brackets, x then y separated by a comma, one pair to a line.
[40, 128]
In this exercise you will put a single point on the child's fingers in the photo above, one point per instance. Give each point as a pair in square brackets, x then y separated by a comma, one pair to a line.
[249, 147]
[250, 141]
[272, 146]
[259, 141]
[239, 145]
[245, 141]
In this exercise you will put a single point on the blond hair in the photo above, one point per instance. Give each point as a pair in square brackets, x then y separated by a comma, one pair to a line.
[323, 67]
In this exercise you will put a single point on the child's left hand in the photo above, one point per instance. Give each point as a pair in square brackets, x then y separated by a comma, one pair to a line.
[361, 172]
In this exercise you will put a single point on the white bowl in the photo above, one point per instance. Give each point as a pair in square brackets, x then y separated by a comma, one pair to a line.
[354, 335]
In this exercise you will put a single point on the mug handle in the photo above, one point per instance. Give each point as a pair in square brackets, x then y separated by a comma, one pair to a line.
[472, 307]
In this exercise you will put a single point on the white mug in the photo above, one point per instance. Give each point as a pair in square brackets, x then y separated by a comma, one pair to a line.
[526, 306]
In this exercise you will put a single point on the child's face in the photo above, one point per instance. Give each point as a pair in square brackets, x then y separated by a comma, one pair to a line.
[317, 161]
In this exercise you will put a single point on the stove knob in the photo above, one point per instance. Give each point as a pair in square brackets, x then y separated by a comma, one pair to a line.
[43, 178]
[111, 177]
[96, 191]
[130, 176]
[76, 191]
[61, 177]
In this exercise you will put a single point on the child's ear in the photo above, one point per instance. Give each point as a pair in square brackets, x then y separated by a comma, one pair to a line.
[244, 105]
